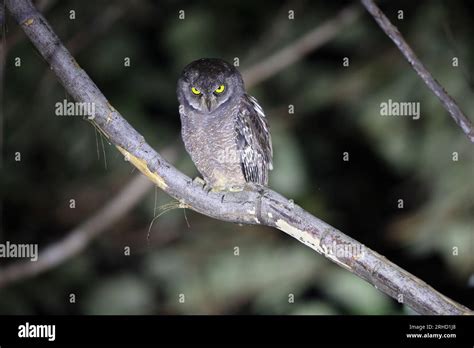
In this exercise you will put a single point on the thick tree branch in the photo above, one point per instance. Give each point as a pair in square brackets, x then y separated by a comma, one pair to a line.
[264, 206]
[449, 103]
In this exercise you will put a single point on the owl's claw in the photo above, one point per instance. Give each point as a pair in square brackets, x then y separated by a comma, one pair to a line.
[199, 181]
[202, 183]
[217, 189]
[208, 188]
[236, 188]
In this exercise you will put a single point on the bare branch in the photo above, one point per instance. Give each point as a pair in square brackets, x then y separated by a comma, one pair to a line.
[449, 103]
[261, 206]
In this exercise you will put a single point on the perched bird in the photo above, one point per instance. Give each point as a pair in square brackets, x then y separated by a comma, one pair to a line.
[224, 129]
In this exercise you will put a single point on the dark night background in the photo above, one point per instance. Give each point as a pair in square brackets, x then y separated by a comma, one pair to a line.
[337, 110]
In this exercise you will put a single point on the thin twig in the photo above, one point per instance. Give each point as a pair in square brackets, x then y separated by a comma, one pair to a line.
[449, 103]
[262, 206]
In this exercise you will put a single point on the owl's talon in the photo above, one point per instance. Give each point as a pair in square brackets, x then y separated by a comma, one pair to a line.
[237, 188]
[217, 189]
[199, 181]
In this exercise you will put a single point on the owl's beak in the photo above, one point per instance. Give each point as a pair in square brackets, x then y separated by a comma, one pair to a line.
[208, 103]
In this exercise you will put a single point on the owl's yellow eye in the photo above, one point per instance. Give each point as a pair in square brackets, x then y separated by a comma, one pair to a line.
[220, 89]
[195, 90]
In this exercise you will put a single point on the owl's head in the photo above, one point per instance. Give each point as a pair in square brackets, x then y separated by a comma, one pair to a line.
[208, 83]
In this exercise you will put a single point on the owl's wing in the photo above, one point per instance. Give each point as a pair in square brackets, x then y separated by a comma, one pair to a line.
[254, 141]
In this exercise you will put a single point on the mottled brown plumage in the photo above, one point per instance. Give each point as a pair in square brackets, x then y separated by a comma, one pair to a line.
[225, 132]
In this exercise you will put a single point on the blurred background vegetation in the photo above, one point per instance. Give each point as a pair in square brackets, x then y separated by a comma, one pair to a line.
[337, 109]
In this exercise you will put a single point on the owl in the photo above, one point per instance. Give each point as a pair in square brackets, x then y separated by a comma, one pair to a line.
[224, 129]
